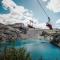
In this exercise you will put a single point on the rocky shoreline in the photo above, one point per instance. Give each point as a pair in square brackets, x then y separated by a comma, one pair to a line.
[20, 31]
[11, 32]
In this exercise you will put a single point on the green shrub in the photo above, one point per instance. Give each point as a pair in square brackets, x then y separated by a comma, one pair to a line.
[15, 54]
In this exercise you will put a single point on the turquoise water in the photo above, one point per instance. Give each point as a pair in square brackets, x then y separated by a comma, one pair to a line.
[37, 48]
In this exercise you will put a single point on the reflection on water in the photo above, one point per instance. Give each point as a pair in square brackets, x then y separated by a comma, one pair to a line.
[37, 48]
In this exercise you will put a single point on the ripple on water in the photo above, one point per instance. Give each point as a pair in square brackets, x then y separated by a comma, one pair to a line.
[38, 48]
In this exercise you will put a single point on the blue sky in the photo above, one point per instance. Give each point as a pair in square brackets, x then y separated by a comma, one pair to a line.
[36, 10]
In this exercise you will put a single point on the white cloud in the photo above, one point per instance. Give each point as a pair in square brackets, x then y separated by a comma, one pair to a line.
[58, 21]
[41, 25]
[44, 0]
[18, 14]
[57, 24]
[54, 5]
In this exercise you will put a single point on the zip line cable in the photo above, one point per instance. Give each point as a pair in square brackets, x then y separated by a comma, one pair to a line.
[48, 23]
[43, 9]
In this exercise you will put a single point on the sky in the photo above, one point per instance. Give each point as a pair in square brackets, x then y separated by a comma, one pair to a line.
[16, 11]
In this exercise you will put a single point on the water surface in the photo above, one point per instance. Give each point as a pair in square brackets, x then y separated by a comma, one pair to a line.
[37, 48]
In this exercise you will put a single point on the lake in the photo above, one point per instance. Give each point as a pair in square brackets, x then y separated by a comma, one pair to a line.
[37, 48]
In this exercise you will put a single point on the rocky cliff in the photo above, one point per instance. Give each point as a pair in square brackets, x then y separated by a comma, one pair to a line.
[12, 32]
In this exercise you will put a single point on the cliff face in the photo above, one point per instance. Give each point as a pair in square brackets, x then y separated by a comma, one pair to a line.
[11, 32]
[18, 31]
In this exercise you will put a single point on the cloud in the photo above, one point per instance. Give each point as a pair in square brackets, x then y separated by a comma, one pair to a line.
[54, 5]
[58, 21]
[41, 25]
[18, 14]
[44, 0]
[57, 24]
